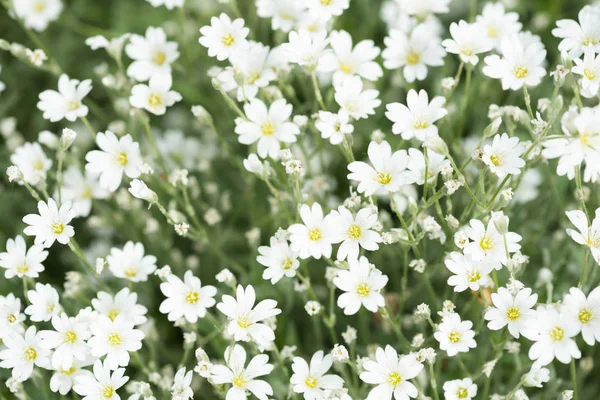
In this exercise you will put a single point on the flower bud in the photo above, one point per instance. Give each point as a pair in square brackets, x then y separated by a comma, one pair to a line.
[139, 190]
[67, 138]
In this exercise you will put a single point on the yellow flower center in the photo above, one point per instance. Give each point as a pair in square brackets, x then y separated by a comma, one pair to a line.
[585, 316]
[159, 58]
[593, 241]
[12, 318]
[513, 314]
[39, 7]
[122, 159]
[474, 276]
[346, 68]
[310, 382]
[467, 51]
[228, 40]
[486, 243]
[57, 228]
[589, 41]
[384, 178]
[354, 231]
[454, 337]
[155, 100]
[192, 297]
[520, 72]
[326, 2]
[287, 264]
[70, 337]
[114, 339]
[412, 57]
[38, 165]
[315, 234]
[243, 322]
[50, 307]
[107, 392]
[69, 371]
[87, 193]
[589, 73]
[130, 272]
[267, 129]
[253, 78]
[421, 124]
[30, 354]
[112, 314]
[496, 159]
[557, 333]
[21, 269]
[492, 31]
[239, 381]
[363, 290]
[585, 139]
[394, 379]
[462, 393]
[73, 105]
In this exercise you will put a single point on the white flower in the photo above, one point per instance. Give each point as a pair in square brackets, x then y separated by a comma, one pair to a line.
[419, 166]
[391, 374]
[114, 46]
[312, 238]
[11, 318]
[37, 14]
[497, 24]
[387, 173]
[345, 61]
[576, 36]
[468, 273]
[279, 259]
[553, 332]
[467, 41]
[224, 37]
[123, 303]
[152, 54]
[114, 339]
[589, 69]
[354, 232]
[115, 157]
[416, 120]
[455, 336]
[62, 381]
[170, 4]
[43, 303]
[512, 310]
[103, 385]
[588, 235]
[67, 102]
[187, 298]
[140, 190]
[181, 389]
[283, 13]
[241, 377]
[312, 307]
[334, 126]
[255, 165]
[362, 283]
[22, 353]
[489, 244]
[587, 312]
[460, 389]
[269, 127]
[520, 64]
[51, 224]
[244, 317]
[327, 8]
[130, 263]
[20, 262]
[351, 97]
[67, 340]
[414, 52]
[80, 189]
[156, 96]
[31, 160]
[503, 156]
[536, 376]
[312, 380]
[305, 48]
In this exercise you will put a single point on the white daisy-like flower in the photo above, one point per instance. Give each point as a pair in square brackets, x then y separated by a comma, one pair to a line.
[62, 381]
[152, 54]
[503, 156]
[362, 284]
[80, 189]
[578, 35]
[313, 380]
[186, 298]
[334, 126]
[589, 234]
[156, 96]
[387, 172]
[424, 8]
[22, 353]
[170, 4]
[351, 97]
[419, 167]
[103, 385]
[304, 48]
[37, 14]
[467, 41]
[67, 102]
[21, 262]
[455, 336]
[114, 339]
[181, 388]
[115, 158]
[279, 259]
[123, 303]
[68, 341]
[416, 119]
[51, 224]
[268, 127]
[496, 23]
[489, 244]
[283, 13]
[44, 303]
[245, 318]
[327, 8]
[468, 273]
[354, 232]
[224, 37]
[589, 69]
[536, 376]
[460, 389]
[413, 52]
[32, 162]
[130, 262]
[587, 311]
[312, 238]
[11, 317]
[514, 311]
[391, 374]
[242, 377]
[345, 61]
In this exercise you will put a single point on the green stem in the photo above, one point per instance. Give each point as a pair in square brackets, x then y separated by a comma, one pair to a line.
[584, 268]
[89, 127]
[313, 76]
[59, 175]
[574, 378]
